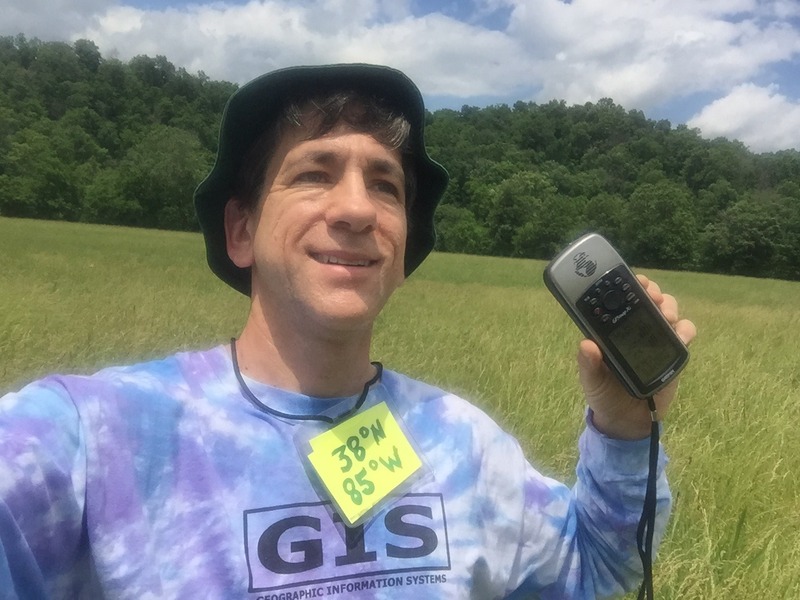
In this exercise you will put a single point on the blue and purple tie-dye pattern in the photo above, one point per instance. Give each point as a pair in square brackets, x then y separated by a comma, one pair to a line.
[162, 481]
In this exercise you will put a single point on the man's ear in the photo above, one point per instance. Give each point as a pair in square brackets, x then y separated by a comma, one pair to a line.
[238, 239]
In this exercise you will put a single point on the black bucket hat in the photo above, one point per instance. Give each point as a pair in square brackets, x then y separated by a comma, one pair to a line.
[253, 107]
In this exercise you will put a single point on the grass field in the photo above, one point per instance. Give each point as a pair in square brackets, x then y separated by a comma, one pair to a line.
[78, 297]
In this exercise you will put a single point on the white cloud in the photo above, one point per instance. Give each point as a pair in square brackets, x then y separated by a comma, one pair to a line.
[760, 117]
[238, 42]
[639, 53]
[121, 20]
[782, 9]
[49, 20]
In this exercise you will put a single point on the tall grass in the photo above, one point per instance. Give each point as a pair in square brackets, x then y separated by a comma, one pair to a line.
[77, 297]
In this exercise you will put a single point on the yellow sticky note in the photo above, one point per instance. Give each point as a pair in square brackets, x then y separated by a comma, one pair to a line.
[362, 460]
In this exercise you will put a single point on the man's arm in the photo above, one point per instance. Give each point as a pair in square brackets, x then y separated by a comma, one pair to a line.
[580, 543]
[42, 480]
[590, 539]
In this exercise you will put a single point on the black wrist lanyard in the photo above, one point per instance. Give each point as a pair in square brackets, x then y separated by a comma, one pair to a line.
[644, 533]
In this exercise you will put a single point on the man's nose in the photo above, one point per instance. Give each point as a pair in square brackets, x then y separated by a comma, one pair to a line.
[350, 204]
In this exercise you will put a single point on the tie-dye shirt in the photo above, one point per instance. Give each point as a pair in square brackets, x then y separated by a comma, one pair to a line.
[163, 480]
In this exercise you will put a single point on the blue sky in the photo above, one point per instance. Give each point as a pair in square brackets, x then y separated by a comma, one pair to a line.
[728, 67]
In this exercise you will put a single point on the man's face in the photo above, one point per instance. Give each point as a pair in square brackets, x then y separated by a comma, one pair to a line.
[327, 241]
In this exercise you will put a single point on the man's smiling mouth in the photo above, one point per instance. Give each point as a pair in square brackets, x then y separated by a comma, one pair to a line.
[327, 259]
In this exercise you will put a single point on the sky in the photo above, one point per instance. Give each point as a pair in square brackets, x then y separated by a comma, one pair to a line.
[730, 68]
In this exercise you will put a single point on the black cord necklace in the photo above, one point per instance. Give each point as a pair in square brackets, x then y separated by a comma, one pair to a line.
[324, 418]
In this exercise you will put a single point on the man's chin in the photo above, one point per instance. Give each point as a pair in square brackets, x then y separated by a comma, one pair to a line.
[347, 318]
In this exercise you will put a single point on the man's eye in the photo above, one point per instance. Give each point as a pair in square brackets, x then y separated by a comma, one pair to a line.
[387, 187]
[312, 177]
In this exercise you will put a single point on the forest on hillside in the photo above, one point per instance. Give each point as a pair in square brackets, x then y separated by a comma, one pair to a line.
[94, 139]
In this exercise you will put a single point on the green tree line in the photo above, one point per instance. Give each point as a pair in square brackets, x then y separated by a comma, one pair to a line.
[84, 138]
[94, 139]
[527, 179]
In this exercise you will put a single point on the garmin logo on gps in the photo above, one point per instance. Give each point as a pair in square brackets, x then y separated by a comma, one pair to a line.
[617, 318]
[584, 266]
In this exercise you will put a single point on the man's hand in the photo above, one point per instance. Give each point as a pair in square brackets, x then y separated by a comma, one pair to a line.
[616, 413]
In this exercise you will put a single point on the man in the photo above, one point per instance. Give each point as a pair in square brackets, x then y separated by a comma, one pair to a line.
[289, 465]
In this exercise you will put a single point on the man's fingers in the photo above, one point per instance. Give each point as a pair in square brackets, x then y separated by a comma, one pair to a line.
[686, 330]
[669, 307]
[589, 354]
[652, 288]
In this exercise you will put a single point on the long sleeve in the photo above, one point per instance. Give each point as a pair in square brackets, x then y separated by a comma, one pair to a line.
[582, 542]
[42, 484]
